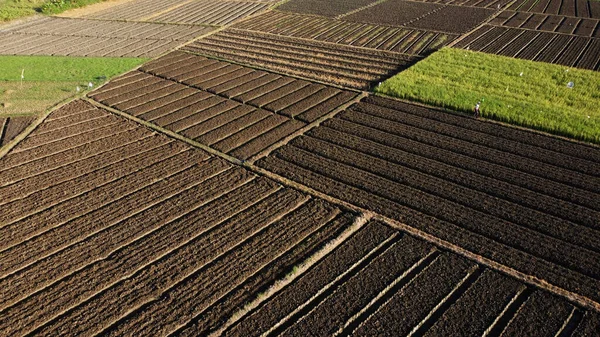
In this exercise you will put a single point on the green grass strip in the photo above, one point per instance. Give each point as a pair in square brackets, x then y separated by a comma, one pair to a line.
[520, 92]
[48, 80]
[14, 9]
[62, 68]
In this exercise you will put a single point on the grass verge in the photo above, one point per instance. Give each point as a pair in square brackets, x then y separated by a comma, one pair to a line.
[48, 80]
[14, 9]
[520, 92]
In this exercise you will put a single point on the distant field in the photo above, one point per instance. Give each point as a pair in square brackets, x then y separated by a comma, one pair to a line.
[49, 80]
[531, 94]
[14, 9]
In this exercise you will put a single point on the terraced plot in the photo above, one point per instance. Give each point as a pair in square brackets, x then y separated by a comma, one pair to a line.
[209, 12]
[549, 23]
[109, 228]
[78, 37]
[401, 40]
[578, 8]
[569, 50]
[11, 127]
[342, 65]
[234, 109]
[495, 4]
[524, 200]
[383, 283]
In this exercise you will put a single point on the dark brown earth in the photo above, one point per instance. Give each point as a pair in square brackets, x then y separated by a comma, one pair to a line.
[325, 8]
[11, 127]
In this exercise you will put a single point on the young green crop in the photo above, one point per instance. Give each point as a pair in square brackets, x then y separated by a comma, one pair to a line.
[521, 92]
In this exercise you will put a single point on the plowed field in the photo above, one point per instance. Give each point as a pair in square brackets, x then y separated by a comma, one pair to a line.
[383, 283]
[568, 50]
[110, 232]
[11, 127]
[549, 23]
[401, 40]
[485, 188]
[210, 12]
[342, 65]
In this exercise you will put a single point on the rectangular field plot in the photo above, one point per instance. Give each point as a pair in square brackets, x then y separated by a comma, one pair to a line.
[110, 228]
[137, 10]
[568, 50]
[383, 283]
[234, 109]
[495, 4]
[549, 23]
[210, 12]
[341, 65]
[576, 8]
[80, 37]
[525, 200]
[401, 40]
[331, 8]
[423, 15]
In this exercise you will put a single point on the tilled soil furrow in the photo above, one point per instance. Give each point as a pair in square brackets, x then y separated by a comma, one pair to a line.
[273, 83]
[212, 76]
[143, 98]
[266, 139]
[117, 85]
[75, 119]
[73, 108]
[478, 164]
[177, 188]
[54, 237]
[170, 108]
[327, 106]
[222, 125]
[249, 133]
[349, 298]
[190, 110]
[227, 86]
[559, 160]
[202, 70]
[488, 154]
[250, 85]
[459, 175]
[293, 97]
[162, 101]
[415, 300]
[542, 314]
[589, 325]
[208, 135]
[166, 61]
[126, 260]
[167, 263]
[173, 307]
[225, 76]
[569, 256]
[298, 106]
[341, 259]
[65, 134]
[515, 258]
[214, 316]
[537, 221]
[200, 116]
[279, 93]
[131, 91]
[13, 127]
[18, 160]
[68, 165]
[467, 315]
[54, 196]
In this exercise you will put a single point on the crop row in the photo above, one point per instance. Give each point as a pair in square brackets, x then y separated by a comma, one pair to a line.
[357, 68]
[331, 8]
[568, 50]
[401, 40]
[496, 4]
[209, 12]
[35, 44]
[549, 23]
[10, 127]
[113, 29]
[577, 8]
[365, 284]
